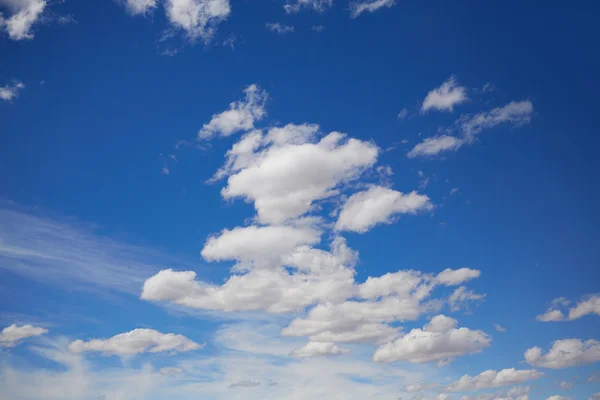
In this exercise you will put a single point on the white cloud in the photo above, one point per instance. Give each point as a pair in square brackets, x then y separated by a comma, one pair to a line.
[595, 396]
[516, 113]
[363, 210]
[566, 385]
[140, 7]
[12, 335]
[590, 305]
[24, 14]
[11, 90]
[244, 384]
[241, 115]
[499, 328]
[318, 349]
[317, 5]
[419, 387]
[279, 28]
[445, 97]
[551, 315]
[135, 342]
[359, 7]
[595, 377]
[565, 353]
[455, 277]
[469, 126]
[492, 379]
[291, 171]
[434, 342]
[435, 145]
[558, 397]
[197, 18]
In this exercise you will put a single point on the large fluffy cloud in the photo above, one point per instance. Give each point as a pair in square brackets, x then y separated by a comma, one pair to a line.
[445, 97]
[12, 335]
[23, 15]
[438, 340]
[378, 204]
[135, 342]
[565, 353]
[493, 379]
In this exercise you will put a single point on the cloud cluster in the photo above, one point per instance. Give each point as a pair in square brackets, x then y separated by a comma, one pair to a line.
[586, 306]
[12, 335]
[359, 7]
[279, 27]
[492, 379]
[565, 353]
[289, 173]
[23, 15]
[316, 5]
[135, 342]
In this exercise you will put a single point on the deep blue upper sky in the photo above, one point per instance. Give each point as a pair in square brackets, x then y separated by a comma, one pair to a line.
[83, 144]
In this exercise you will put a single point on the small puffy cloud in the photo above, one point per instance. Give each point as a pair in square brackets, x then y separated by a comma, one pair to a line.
[135, 342]
[12, 335]
[244, 384]
[435, 145]
[197, 18]
[565, 353]
[140, 7]
[591, 305]
[455, 277]
[11, 90]
[445, 97]
[551, 315]
[317, 5]
[566, 385]
[363, 210]
[359, 7]
[23, 15]
[558, 397]
[438, 340]
[402, 114]
[318, 349]
[492, 379]
[499, 328]
[461, 297]
[279, 28]
[240, 116]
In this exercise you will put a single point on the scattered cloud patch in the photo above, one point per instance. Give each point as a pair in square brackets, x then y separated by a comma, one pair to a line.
[244, 384]
[565, 353]
[493, 379]
[319, 349]
[136, 341]
[403, 114]
[23, 15]
[499, 328]
[435, 145]
[359, 7]
[13, 335]
[316, 5]
[11, 90]
[277, 27]
[140, 7]
[445, 97]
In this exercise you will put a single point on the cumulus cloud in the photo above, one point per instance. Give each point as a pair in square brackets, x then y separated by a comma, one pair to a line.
[13, 335]
[492, 379]
[435, 145]
[136, 341]
[11, 90]
[197, 18]
[316, 5]
[586, 306]
[558, 397]
[318, 349]
[445, 97]
[359, 7]
[455, 277]
[240, 116]
[23, 15]
[551, 315]
[438, 340]
[291, 170]
[515, 113]
[565, 353]
[363, 210]
[279, 27]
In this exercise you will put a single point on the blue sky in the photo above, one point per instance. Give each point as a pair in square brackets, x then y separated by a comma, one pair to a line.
[226, 199]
